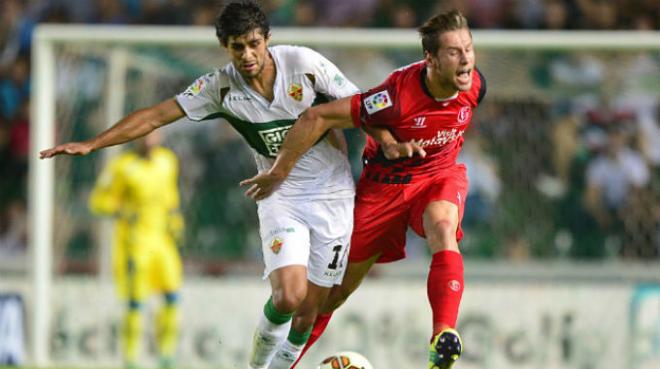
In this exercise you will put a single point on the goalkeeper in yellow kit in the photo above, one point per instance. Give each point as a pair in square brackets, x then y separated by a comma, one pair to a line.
[139, 189]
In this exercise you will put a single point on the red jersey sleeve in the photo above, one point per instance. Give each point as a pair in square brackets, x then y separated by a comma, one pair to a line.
[378, 106]
[356, 101]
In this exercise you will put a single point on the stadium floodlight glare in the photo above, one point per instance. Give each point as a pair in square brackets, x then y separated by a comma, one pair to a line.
[43, 104]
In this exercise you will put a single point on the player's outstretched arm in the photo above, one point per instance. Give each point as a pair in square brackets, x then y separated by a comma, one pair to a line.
[392, 149]
[307, 130]
[134, 125]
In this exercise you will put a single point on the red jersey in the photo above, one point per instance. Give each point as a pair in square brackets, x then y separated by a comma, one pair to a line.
[404, 105]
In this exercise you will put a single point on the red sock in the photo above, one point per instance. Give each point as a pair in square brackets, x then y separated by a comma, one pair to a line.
[320, 324]
[445, 288]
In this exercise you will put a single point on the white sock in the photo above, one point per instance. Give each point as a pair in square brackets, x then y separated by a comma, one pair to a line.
[267, 338]
[286, 355]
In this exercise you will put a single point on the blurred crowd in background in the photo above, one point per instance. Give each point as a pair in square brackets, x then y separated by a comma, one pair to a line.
[594, 177]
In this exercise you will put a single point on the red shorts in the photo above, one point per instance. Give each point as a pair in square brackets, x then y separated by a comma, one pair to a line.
[383, 212]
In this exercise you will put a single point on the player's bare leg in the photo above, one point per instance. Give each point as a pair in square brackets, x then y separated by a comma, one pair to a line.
[289, 288]
[303, 319]
[445, 281]
[355, 273]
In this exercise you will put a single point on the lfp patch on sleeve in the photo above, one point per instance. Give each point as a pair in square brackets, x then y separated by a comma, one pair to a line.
[377, 102]
[196, 87]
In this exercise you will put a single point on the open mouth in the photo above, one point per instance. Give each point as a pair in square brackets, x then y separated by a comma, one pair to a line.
[249, 66]
[464, 75]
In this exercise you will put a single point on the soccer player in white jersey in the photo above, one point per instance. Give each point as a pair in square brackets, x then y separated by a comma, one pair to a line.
[306, 224]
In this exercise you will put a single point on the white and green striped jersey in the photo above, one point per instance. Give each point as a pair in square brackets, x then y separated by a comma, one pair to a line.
[303, 78]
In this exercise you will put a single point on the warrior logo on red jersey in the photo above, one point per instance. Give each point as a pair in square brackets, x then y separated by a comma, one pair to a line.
[464, 114]
[420, 122]
[454, 285]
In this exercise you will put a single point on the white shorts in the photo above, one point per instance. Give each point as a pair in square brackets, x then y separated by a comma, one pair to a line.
[309, 232]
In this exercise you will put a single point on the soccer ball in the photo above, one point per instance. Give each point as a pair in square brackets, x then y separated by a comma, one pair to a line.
[345, 360]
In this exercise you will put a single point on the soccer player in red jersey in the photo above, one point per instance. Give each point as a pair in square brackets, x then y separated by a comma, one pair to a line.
[428, 105]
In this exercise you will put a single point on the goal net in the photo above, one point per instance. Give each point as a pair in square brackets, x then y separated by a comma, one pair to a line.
[555, 102]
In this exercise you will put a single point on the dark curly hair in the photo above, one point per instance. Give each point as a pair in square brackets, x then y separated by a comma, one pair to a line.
[240, 17]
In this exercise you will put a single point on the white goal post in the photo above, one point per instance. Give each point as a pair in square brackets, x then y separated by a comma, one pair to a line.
[46, 37]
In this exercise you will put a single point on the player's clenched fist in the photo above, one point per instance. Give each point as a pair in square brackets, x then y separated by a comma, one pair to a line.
[71, 148]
